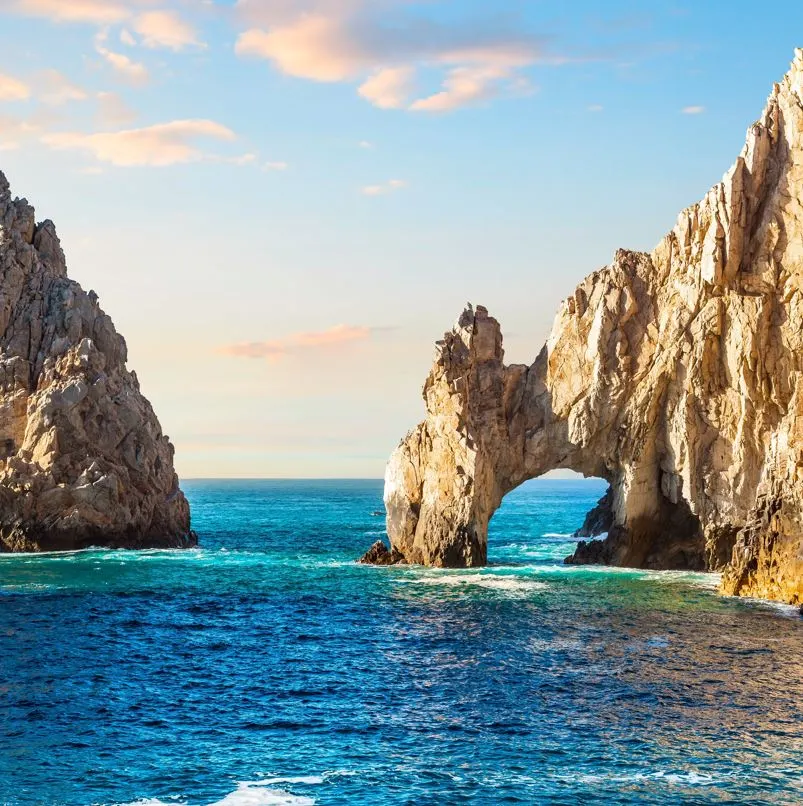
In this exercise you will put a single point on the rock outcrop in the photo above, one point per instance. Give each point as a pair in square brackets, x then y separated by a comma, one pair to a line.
[677, 376]
[83, 460]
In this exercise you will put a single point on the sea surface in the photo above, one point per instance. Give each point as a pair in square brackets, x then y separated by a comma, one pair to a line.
[266, 667]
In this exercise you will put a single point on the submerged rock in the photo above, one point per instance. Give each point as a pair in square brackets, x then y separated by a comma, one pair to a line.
[83, 460]
[677, 376]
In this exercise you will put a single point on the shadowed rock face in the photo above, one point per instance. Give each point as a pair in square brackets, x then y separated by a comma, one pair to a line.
[83, 461]
[677, 376]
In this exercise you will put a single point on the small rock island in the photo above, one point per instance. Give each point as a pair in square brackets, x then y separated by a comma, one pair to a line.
[83, 460]
[676, 375]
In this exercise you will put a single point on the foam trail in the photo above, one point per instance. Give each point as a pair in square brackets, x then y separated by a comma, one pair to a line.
[505, 584]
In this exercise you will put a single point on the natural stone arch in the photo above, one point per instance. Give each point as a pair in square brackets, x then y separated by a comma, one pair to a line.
[492, 427]
[675, 375]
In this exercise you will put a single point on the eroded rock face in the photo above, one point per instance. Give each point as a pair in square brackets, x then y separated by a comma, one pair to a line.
[83, 460]
[676, 375]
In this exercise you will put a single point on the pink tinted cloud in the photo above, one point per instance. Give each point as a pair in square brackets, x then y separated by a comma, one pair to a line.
[379, 44]
[277, 349]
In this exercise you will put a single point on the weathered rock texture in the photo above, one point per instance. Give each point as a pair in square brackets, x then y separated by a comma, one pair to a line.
[83, 460]
[676, 375]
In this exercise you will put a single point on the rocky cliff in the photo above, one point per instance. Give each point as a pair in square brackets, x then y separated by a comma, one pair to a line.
[676, 375]
[83, 460]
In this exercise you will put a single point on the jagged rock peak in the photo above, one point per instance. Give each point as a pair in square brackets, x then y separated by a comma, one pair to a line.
[83, 460]
[677, 376]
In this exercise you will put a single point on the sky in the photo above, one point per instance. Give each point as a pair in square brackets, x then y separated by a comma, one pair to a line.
[283, 204]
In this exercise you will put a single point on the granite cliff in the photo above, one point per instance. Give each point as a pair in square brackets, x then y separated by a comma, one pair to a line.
[677, 376]
[83, 460]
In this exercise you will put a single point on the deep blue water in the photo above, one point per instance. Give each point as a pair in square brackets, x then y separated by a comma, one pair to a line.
[267, 667]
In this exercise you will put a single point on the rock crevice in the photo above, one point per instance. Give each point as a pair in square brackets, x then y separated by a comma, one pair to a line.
[83, 460]
[676, 375]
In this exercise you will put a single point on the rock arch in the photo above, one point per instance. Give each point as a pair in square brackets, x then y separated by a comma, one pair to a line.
[677, 376]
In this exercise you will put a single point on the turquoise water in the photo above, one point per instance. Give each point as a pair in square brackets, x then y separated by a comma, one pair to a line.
[266, 667]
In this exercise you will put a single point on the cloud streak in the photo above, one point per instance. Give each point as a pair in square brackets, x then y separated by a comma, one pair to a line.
[134, 72]
[95, 12]
[382, 190]
[275, 350]
[157, 146]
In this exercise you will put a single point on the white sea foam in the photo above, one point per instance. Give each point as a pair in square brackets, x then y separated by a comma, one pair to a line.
[151, 802]
[689, 778]
[782, 609]
[249, 793]
[258, 793]
[566, 535]
[262, 792]
[509, 584]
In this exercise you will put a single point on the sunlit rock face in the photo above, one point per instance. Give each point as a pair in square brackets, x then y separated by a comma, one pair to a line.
[676, 375]
[83, 460]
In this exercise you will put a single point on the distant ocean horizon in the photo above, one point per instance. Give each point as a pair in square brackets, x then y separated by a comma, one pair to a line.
[267, 667]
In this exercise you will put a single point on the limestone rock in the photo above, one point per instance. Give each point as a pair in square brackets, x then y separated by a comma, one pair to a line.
[676, 375]
[83, 460]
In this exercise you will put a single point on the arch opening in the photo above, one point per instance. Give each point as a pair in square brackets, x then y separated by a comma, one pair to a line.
[542, 519]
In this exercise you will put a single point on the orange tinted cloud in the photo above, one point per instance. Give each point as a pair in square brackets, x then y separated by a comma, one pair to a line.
[165, 29]
[388, 88]
[299, 342]
[385, 48]
[157, 27]
[159, 145]
[97, 12]
[12, 89]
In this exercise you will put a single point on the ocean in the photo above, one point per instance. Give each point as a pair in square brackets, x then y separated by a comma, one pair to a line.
[267, 667]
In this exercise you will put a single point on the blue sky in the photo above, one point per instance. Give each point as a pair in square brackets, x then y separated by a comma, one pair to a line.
[283, 204]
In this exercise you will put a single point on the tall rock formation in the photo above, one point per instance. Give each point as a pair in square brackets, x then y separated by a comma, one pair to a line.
[83, 460]
[676, 375]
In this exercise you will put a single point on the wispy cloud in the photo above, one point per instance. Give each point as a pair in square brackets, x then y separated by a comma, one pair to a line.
[113, 111]
[127, 68]
[14, 131]
[464, 86]
[385, 188]
[127, 38]
[55, 89]
[165, 29]
[160, 145]
[276, 349]
[275, 166]
[95, 12]
[389, 88]
[12, 89]
[157, 27]
[595, 108]
[693, 110]
[383, 47]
